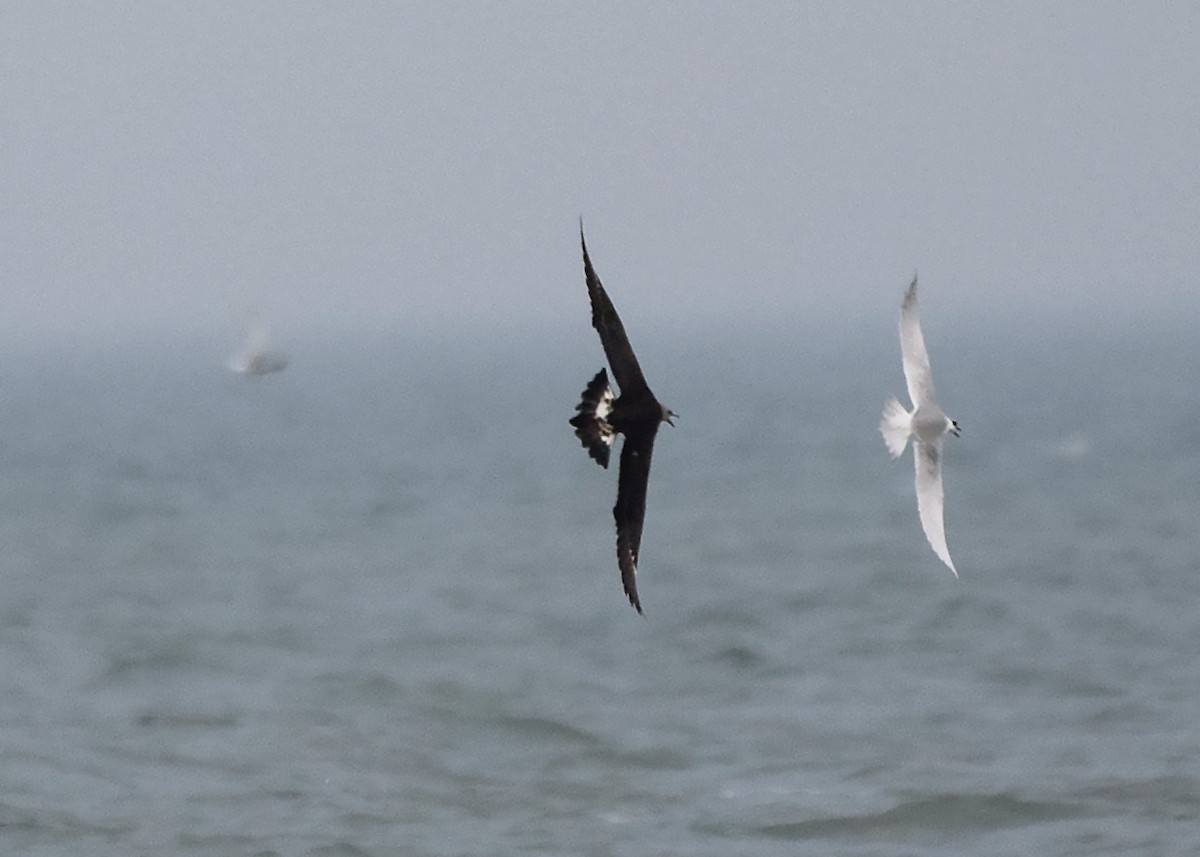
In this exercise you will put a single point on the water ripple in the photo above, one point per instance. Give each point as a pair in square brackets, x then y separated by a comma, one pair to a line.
[959, 814]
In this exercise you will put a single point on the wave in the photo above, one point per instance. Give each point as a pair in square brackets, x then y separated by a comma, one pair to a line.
[959, 814]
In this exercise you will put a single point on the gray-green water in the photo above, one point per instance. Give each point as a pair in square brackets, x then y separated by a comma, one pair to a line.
[370, 605]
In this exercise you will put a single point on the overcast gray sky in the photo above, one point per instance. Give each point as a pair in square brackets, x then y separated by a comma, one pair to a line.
[182, 167]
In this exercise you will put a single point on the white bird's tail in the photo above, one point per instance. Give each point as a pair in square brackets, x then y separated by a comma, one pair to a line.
[895, 426]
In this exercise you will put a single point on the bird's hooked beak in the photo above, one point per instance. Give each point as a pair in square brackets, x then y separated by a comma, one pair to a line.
[669, 417]
[955, 429]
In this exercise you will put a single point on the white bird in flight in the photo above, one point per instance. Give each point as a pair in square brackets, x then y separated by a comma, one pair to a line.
[927, 423]
[256, 356]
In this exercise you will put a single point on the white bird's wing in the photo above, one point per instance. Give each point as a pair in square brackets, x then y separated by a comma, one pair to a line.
[930, 503]
[912, 347]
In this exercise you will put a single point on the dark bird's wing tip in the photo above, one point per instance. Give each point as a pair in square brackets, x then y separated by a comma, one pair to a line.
[587, 260]
[629, 512]
[629, 582]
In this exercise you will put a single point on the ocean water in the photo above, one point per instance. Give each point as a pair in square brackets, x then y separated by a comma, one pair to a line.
[370, 606]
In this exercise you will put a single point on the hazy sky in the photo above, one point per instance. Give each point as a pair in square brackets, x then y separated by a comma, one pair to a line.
[187, 167]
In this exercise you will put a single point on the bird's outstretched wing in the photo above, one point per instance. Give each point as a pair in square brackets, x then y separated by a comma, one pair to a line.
[630, 511]
[912, 347]
[591, 421]
[620, 354]
[930, 503]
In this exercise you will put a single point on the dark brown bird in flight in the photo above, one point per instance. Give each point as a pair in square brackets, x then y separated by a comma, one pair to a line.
[636, 413]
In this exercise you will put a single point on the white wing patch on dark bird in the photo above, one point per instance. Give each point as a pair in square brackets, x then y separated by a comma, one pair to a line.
[591, 423]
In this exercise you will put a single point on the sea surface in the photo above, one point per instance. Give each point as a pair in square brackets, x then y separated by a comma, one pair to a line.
[370, 605]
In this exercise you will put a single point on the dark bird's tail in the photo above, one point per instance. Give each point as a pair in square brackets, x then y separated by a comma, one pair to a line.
[591, 425]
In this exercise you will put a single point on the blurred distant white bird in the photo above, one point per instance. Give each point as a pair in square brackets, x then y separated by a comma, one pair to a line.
[256, 356]
[927, 423]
